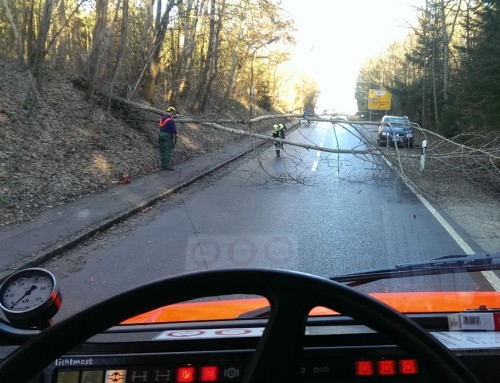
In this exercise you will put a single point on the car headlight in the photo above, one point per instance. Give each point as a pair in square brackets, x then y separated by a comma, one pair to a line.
[383, 133]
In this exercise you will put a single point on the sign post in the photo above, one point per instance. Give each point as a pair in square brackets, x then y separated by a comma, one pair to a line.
[422, 156]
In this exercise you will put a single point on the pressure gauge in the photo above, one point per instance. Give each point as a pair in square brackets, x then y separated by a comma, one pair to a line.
[30, 298]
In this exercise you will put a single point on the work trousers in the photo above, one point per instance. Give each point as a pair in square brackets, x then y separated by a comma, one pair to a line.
[166, 145]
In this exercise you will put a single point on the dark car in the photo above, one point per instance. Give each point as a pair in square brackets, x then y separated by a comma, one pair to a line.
[395, 130]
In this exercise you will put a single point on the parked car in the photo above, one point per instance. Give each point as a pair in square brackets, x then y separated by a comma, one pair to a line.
[395, 130]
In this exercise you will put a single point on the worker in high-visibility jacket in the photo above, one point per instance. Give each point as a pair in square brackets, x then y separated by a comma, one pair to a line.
[278, 132]
[167, 138]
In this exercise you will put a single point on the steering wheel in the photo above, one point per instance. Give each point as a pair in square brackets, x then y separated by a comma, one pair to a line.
[291, 295]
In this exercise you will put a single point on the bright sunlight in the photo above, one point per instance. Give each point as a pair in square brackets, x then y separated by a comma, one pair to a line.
[332, 45]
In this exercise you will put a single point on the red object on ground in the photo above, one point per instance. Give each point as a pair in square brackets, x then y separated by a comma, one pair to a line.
[124, 179]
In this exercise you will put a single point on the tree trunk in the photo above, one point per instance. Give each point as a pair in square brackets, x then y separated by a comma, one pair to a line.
[446, 54]
[30, 34]
[122, 48]
[17, 36]
[61, 50]
[41, 41]
[232, 72]
[98, 39]
[424, 77]
[183, 66]
[214, 57]
[141, 52]
[154, 62]
[210, 58]
[188, 81]
[434, 80]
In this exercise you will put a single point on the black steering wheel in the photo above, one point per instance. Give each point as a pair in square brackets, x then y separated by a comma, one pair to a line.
[291, 295]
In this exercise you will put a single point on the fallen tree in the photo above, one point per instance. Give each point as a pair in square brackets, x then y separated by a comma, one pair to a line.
[475, 156]
[249, 122]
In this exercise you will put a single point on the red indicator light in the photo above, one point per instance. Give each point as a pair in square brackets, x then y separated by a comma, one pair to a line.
[209, 374]
[364, 368]
[386, 367]
[408, 367]
[185, 375]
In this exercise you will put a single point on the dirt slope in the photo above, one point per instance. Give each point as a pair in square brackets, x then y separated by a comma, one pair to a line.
[67, 148]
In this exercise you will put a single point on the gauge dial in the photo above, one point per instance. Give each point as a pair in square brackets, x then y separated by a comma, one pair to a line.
[30, 297]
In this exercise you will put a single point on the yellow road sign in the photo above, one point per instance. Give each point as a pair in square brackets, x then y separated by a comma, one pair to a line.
[379, 99]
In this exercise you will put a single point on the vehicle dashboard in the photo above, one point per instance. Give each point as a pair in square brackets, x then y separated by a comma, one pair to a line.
[336, 349]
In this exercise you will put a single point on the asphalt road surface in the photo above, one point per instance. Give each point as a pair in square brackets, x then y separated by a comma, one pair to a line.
[310, 211]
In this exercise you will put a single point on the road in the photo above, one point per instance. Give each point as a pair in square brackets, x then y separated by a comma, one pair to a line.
[310, 211]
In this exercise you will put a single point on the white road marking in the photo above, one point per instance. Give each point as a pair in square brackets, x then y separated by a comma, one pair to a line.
[490, 276]
[314, 166]
[318, 153]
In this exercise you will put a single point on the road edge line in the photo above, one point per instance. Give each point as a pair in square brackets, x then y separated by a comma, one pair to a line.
[490, 276]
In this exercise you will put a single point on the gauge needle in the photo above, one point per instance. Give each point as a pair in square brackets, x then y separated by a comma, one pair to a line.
[27, 292]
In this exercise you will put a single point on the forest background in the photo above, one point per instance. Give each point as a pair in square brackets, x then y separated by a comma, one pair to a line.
[64, 62]
[445, 75]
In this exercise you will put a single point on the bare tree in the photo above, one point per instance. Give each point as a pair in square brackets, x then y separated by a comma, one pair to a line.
[209, 68]
[434, 66]
[446, 53]
[18, 38]
[181, 79]
[122, 47]
[152, 70]
[32, 98]
[93, 65]
[235, 55]
[35, 60]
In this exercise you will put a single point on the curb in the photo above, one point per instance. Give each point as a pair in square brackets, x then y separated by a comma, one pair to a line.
[131, 212]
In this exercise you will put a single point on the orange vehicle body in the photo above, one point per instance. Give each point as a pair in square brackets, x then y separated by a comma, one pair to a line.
[405, 302]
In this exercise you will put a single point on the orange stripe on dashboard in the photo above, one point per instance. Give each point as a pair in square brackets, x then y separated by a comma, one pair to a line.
[413, 302]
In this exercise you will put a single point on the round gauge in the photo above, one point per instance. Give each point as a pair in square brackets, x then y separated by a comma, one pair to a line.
[30, 297]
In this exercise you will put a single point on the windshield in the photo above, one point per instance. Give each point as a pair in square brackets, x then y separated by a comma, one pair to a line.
[395, 120]
[139, 142]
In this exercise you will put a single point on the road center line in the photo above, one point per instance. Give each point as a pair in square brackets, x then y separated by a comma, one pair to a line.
[314, 166]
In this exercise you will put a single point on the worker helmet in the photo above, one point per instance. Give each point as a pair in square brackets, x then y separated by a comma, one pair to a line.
[171, 109]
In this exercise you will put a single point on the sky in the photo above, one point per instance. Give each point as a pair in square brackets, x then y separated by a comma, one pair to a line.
[335, 38]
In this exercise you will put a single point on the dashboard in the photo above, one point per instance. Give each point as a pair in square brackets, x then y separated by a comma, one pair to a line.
[336, 349]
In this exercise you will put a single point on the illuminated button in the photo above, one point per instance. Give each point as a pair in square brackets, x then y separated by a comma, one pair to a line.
[386, 367]
[365, 368]
[408, 367]
[209, 374]
[185, 375]
[115, 376]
